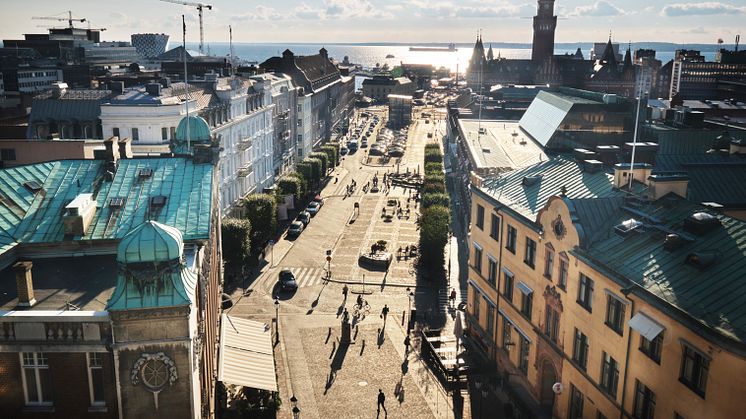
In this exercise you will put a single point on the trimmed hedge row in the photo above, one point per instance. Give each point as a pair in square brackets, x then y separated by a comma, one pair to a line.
[435, 219]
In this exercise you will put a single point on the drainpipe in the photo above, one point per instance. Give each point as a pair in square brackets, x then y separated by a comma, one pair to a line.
[499, 279]
[626, 291]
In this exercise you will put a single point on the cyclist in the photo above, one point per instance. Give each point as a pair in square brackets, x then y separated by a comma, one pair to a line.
[360, 301]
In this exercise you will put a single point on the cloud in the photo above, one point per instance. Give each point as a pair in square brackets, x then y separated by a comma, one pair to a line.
[706, 8]
[259, 13]
[448, 10]
[597, 9]
[339, 9]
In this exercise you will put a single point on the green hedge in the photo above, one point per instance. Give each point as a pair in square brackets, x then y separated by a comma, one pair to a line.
[434, 224]
[433, 167]
[236, 240]
[332, 152]
[315, 168]
[324, 162]
[261, 211]
[430, 199]
[306, 172]
[291, 185]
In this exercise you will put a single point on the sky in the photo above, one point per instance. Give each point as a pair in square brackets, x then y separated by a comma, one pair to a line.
[340, 21]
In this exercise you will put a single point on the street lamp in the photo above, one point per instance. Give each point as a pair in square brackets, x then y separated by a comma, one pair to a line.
[410, 296]
[277, 319]
[296, 412]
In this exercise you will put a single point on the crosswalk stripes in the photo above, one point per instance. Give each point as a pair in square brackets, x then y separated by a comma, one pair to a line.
[306, 277]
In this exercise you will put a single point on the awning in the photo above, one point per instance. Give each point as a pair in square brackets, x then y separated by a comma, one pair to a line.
[524, 288]
[246, 356]
[647, 327]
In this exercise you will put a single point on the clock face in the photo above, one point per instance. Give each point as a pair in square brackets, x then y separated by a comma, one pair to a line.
[559, 228]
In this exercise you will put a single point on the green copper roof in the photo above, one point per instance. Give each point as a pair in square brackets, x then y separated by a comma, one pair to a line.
[181, 190]
[527, 198]
[150, 242]
[199, 130]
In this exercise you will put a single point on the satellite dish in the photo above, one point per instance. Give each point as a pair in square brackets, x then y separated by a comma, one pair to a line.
[557, 388]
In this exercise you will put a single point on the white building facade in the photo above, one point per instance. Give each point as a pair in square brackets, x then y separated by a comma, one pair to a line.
[32, 80]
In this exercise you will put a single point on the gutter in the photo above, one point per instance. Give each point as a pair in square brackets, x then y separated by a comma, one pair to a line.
[626, 291]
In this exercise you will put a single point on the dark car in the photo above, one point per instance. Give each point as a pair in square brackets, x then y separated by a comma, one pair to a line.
[313, 208]
[396, 152]
[304, 217]
[296, 227]
[287, 280]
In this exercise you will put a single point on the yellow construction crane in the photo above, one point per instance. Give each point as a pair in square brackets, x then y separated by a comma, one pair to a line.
[69, 19]
[199, 7]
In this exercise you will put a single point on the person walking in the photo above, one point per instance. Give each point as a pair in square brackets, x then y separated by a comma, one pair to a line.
[452, 297]
[385, 313]
[381, 402]
[407, 341]
[345, 290]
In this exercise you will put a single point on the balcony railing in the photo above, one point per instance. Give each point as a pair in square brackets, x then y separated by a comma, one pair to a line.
[246, 170]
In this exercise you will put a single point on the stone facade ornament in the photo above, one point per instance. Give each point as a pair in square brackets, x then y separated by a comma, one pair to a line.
[154, 371]
[558, 227]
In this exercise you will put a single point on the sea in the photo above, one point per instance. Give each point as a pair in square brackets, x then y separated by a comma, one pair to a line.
[371, 55]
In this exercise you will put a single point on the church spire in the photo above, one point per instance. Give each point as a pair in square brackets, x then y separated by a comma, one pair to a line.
[628, 57]
[490, 54]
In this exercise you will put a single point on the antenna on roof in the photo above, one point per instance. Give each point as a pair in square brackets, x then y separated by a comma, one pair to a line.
[186, 79]
[634, 138]
[230, 40]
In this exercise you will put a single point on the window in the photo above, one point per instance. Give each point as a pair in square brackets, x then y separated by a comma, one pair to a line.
[580, 349]
[508, 288]
[115, 132]
[37, 384]
[562, 281]
[495, 227]
[506, 333]
[609, 374]
[523, 360]
[694, 368]
[164, 133]
[492, 271]
[527, 299]
[652, 348]
[512, 234]
[477, 258]
[480, 217]
[490, 319]
[8, 154]
[551, 325]
[173, 133]
[476, 297]
[135, 134]
[549, 264]
[96, 378]
[585, 292]
[644, 407]
[530, 257]
[576, 404]
[615, 314]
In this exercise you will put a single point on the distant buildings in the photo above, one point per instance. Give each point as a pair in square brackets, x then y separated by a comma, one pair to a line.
[150, 45]
[325, 97]
[380, 87]
[400, 110]
[694, 78]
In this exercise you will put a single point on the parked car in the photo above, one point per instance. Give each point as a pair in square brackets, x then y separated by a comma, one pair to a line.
[396, 152]
[304, 217]
[364, 143]
[377, 151]
[313, 208]
[343, 150]
[287, 280]
[296, 227]
[319, 199]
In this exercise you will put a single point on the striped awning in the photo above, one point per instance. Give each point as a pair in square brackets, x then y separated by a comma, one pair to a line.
[246, 356]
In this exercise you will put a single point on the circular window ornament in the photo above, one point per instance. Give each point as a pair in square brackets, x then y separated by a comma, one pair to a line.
[155, 371]
[558, 227]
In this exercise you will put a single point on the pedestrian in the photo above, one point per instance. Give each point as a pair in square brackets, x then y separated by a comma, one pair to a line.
[344, 292]
[406, 344]
[381, 402]
[385, 313]
[360, 300]
[452, 297]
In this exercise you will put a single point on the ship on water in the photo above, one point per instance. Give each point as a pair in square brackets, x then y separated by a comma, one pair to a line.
[451, 48]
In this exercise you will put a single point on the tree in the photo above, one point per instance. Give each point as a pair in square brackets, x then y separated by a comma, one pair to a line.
[315, 168]
[433, 236]
[236, 236]
[306, 171]
[433, 167]
[301, 179]
[324, 162]
[430, 199]
[261, 211]
[433, 156]
[434, 184]
[332, 153]
[290, 185]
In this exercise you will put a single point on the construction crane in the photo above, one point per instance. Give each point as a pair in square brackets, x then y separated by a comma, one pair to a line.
[69, 18]
[199, 7]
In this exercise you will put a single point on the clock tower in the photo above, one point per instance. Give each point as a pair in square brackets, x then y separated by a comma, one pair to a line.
[545, 22]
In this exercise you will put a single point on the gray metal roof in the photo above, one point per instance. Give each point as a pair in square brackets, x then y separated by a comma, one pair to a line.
[544, 116]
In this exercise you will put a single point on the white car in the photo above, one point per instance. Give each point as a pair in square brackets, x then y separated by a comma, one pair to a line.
[313, 208]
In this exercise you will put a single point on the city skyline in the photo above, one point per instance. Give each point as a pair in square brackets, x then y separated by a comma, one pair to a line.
[339, 21]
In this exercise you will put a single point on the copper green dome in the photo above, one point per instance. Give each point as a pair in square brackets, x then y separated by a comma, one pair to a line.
[151, 241]
[199, 130]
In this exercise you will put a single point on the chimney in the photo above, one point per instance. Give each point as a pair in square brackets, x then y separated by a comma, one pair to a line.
[117, 87]
[78, 215]
[663, 183]
[112, 149]
[24, 285]
[125, 148]
[622, 171]
[153, 89]
[59, 89]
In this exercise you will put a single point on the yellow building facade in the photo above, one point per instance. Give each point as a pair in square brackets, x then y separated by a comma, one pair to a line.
[548, 304]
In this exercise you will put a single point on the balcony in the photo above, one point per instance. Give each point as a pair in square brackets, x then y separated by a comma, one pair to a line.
[246, 170]
[245, 144]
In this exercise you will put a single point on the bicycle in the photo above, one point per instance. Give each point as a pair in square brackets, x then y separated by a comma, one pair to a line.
[361, 310]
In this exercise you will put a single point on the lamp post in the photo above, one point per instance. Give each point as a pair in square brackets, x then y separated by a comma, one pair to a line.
[277, 320]
[410, 296]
